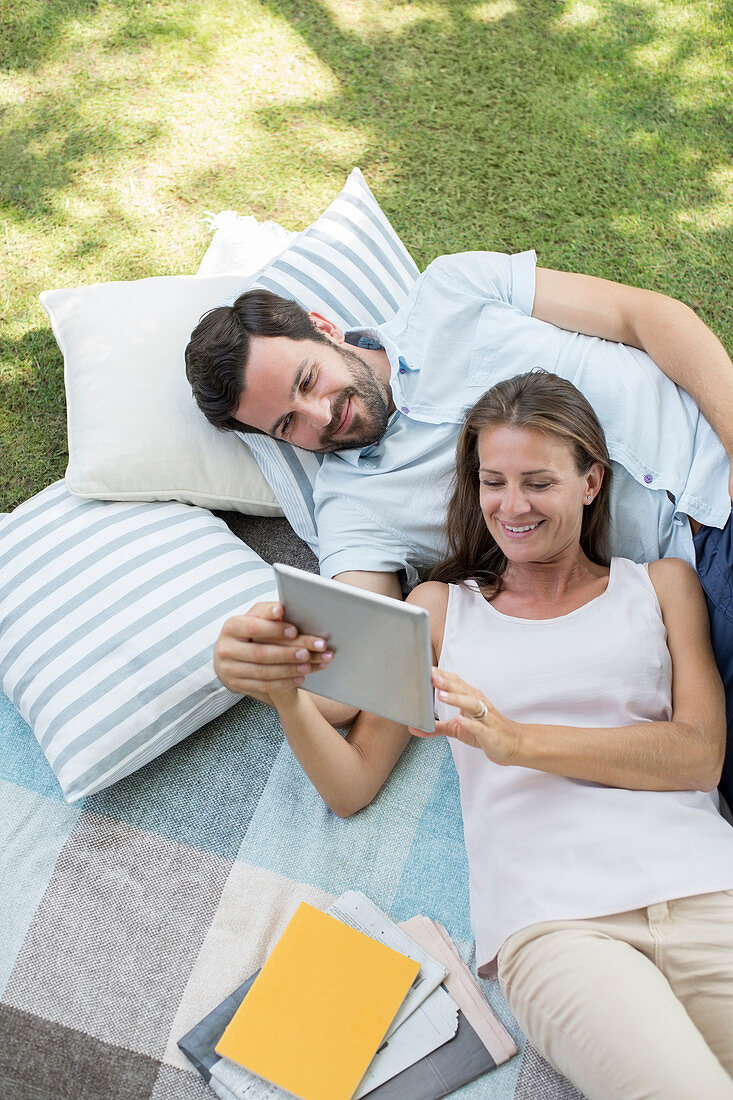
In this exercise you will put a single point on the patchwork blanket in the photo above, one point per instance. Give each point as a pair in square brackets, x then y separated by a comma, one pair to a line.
[124, 919]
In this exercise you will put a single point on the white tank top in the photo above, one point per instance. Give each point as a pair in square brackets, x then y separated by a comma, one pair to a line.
[544, 847]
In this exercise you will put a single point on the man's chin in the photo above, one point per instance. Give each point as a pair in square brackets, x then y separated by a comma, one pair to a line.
[356, 439]
[348, 444]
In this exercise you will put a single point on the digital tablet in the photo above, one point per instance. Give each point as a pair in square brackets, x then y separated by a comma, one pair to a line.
[382, 655]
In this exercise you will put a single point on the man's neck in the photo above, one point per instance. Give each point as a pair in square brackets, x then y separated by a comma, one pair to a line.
[378, 360]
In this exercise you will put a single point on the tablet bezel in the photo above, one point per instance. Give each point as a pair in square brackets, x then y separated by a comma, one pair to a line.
[382, 649]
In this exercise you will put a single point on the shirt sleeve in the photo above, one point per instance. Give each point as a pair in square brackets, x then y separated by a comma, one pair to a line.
[493, 275]
[349, 539]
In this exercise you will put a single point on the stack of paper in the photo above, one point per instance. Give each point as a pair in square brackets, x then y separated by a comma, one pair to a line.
[315, 1016]
[350, 1004]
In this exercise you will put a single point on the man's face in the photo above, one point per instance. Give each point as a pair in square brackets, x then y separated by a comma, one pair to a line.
[319, 396]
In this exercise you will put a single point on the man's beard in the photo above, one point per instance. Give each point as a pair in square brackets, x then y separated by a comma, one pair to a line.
[366, 427]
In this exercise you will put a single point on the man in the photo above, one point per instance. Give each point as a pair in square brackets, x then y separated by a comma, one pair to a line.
[386, 406]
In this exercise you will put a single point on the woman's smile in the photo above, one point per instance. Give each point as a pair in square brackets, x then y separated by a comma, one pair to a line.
[522, 530]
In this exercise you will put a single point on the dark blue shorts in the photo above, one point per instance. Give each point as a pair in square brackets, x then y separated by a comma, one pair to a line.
[714, 555]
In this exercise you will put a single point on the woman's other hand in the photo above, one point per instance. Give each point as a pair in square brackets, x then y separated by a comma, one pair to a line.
[479, 723]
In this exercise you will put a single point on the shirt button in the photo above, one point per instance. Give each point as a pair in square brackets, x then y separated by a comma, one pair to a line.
[405, 409]
[402, 370]
[648, 479]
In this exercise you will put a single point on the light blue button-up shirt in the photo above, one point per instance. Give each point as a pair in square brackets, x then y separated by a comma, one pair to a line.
[465, 326]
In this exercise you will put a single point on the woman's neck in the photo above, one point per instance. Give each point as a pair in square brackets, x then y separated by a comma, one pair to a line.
[542, 588]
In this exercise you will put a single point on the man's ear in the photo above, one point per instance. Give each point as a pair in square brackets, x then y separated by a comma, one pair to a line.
[327, 327]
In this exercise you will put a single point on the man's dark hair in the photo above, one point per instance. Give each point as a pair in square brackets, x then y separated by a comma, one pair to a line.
[217, 353]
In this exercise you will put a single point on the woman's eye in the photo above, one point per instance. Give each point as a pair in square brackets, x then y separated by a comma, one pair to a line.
[491, 484]
[540, 485]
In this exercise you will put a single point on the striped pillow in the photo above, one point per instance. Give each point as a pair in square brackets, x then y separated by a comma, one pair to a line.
[350, 266]
[291, 473]
[108, 616]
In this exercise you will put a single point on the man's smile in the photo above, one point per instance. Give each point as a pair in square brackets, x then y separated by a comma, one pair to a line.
[346, 418]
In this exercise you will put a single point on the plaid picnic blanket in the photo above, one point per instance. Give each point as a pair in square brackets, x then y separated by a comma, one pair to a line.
[125, 918]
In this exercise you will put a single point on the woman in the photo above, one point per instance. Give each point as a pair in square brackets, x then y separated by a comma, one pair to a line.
[604, 897]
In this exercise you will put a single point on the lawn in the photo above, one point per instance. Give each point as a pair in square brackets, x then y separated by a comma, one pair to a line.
[599, 132]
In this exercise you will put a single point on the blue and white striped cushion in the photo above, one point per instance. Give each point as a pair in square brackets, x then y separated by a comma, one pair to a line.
[108, 616]
[350, 266]
[291, 474]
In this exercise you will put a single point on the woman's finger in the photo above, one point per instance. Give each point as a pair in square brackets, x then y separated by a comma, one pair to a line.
[425, 733]
[312, 642]
[449, 681]
[470, 704]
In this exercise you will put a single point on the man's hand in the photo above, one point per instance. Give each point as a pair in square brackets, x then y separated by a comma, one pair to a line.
[261, 655]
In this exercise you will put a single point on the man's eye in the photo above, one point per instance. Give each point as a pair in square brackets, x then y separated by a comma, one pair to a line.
[307, 381]
[285, 425]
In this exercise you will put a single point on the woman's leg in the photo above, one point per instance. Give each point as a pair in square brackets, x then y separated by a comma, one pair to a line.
[695, 952]
[604, 1015]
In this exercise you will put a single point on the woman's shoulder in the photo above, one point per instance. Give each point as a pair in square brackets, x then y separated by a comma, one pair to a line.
[674, 581]
[664, 570]
[671, 571]
[432, 595]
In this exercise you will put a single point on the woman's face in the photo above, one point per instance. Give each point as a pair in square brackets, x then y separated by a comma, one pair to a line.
[531, 494]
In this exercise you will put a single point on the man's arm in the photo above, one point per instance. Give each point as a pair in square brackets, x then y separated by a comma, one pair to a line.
[386, 584]
[667, 330]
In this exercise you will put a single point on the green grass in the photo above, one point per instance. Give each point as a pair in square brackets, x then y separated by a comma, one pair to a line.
[597, 131]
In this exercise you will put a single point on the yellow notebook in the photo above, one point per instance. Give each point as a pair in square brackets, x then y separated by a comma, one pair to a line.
[319, 1008]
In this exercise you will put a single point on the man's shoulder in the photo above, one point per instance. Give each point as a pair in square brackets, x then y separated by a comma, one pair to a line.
[463, 267]
[481, 276]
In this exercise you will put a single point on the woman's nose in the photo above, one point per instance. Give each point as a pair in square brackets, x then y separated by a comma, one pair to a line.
[515, 502]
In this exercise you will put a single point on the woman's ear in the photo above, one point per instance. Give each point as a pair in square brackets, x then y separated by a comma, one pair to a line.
[593, 481]
[328, 328]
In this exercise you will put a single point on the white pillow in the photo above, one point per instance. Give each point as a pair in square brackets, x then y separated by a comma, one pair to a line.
[135, 432]
[241, 244]
[351, 266]
[108, 617]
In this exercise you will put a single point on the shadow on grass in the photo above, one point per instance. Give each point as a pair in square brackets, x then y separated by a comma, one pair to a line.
[514, 128]
[508, 125]
[31, 394]
[74, 122]
[33, 369]
[502, 124]
[30, 30]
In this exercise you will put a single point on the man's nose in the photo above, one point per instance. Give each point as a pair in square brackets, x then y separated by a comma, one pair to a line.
[318, 410]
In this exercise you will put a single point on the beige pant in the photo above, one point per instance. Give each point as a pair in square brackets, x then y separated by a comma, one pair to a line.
[633, 1005]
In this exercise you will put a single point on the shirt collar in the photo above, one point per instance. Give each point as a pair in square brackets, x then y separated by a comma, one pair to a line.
[373, 339]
